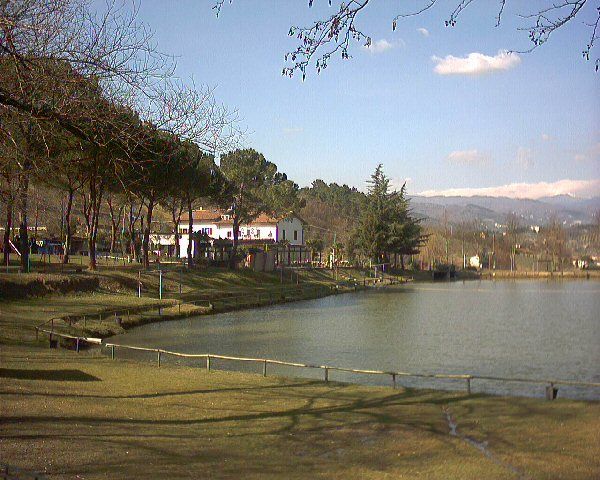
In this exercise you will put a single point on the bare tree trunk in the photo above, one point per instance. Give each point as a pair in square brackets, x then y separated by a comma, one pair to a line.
[95, 200]
[8, 227]
[146, 237]
[402, 262]
[190, 258]
[23, 192]
[233, 256]
[113, 235]
[115, 217]
[177, 245]
[92, 252]
[36, 217]
[68, 235]
[131, 232]
[176, 217]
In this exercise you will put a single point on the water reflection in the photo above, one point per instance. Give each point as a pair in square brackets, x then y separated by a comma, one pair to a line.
[536, 329]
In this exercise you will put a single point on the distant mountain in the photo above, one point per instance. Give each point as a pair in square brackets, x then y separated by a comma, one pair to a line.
[491, 210]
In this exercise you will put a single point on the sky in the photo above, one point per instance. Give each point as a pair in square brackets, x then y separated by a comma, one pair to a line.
[445, 109]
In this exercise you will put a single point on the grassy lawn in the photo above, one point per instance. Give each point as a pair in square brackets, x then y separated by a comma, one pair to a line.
[118, 289]
[66, 415]
[85, 416]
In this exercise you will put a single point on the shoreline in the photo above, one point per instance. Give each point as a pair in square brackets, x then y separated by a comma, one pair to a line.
[117, 321]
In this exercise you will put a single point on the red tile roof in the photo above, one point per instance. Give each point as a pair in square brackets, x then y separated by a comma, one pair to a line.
[214, 215]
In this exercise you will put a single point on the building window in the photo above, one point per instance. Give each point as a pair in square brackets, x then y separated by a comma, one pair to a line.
[283, 234]
[228, 233]
[184, 231]
[258, 233]
[295, 234]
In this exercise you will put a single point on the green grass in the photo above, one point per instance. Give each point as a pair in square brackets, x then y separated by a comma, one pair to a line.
[118, 288]
[69, 415]
[66, 414]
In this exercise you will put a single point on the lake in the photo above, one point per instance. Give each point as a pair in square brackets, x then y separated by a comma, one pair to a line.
[523, 328]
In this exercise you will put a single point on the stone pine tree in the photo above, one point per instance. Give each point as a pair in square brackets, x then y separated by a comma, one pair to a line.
[255, 187]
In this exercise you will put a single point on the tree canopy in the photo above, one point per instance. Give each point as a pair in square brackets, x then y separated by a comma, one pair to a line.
[386, 225]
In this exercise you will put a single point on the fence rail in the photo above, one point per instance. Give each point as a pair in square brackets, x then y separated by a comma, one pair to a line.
[551, 389]
[224, 301]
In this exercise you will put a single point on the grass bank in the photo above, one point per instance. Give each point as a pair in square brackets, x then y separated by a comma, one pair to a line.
[81, 416]
[113, 305]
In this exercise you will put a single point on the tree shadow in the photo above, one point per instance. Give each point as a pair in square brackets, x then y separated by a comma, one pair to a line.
[68, 375]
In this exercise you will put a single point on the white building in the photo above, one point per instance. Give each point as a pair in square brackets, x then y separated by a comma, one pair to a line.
[475, 261]
[217, 224]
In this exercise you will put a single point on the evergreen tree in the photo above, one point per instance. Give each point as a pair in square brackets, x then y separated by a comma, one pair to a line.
[386, 225]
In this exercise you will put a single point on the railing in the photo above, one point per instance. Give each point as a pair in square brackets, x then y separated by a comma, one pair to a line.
[79, 340]
[551, 389]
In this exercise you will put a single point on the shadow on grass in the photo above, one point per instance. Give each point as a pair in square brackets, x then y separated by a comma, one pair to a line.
[375, 409]
[63, 375]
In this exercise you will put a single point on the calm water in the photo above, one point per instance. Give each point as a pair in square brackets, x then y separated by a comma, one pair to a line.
[531, 329]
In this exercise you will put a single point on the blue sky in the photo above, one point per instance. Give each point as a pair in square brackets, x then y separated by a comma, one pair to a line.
[534, 119]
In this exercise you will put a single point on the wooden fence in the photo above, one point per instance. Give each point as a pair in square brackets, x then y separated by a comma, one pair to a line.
[222, 303]
[551, 385]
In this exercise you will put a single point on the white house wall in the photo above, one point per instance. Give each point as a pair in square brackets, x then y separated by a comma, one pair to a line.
[286, 228]
[247, 232]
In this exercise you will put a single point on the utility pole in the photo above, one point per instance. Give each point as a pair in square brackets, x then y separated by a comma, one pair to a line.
[463, 251]
[446, 232]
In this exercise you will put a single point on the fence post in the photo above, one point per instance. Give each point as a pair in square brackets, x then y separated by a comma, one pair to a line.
[551, 392]
[160, 284]
[179, 306]
[208, 363]
[139, 284]
[468, 385]
[326, 374]
[265, 368]
[84, 322]
[394, 380]
[158, 357]
[112, 352]
[77, 345]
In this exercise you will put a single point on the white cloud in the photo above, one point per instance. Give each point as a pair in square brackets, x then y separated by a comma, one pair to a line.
[423, 31]
[525, 158]
[468, 157]
[380, 46]
[578, 188]
[475, 63]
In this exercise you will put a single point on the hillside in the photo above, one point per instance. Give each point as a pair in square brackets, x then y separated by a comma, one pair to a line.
[490, 210]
